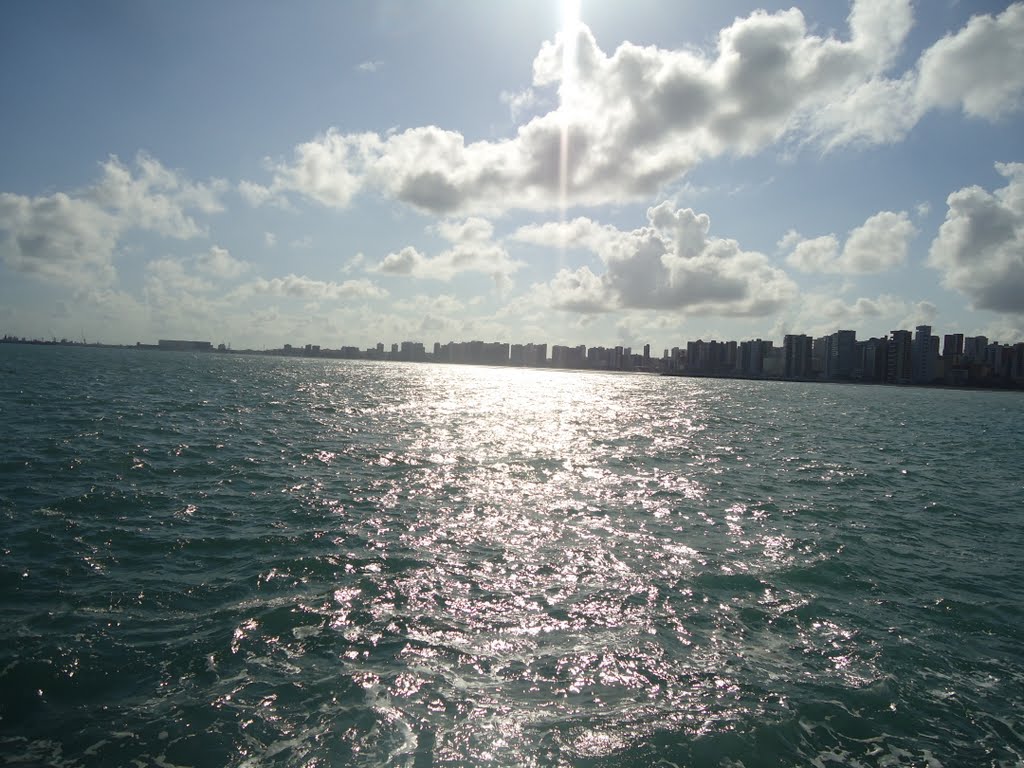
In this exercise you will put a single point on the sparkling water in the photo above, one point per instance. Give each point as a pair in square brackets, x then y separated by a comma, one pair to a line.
[211, 560]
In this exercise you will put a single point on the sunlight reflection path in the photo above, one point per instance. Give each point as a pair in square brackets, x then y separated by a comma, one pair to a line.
[571, 18]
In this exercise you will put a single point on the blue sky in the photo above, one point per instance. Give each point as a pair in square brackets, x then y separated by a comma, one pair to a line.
[578, 173]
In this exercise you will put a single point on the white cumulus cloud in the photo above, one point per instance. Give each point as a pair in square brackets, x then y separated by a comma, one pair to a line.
[219, 263]
[73, 237]
[310, 289]
[631, 121]
[979, 69]
[58, 237]
[671, 264]
[980, 245]
[473, 249]
[879, 244]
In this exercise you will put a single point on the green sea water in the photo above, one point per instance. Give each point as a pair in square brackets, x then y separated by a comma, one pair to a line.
[219, 560]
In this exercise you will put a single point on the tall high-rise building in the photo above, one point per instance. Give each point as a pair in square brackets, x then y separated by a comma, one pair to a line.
[535, 354]
[696, 356]
[797, 354]
[872, 359]
[923, 355]
[974, 348]
[898, 366]
[750, 357]
[841, 350]
[819, 355]
[952, 344]
[1017, 362]
[412, 350]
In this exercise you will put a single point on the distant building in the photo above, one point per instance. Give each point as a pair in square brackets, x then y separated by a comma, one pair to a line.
[697, 356]
[841, 349]
[819, 355]
[924, 355]
[535, 355]
[952, 344]
[568, 357]
[1017, 363]
[179, 345]
[974, 348]
[412, 351]
[774, 363]
[898, 365]
[797, 350]
[750, 357]
[872, 357]
[481, 353]
[677, 360]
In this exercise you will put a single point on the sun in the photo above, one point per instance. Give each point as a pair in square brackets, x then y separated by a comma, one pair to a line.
[570, 14]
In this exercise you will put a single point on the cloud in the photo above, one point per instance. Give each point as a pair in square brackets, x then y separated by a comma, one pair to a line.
[879, 111]
[672, 264]
[863, 308]
[306, 288]
[819, 254]
[879, 244]
[58, 237]
[472, 250]
[369, 66]
[154, 198]
[254, 194]
[789, 240]
[356, 262]
[519, 103]
[167, 275]
[921, 313]
[174, 282]
[823, 312]
[327, 169]
[580, 291]
[1005, 329]
[269, 239]
[580, 232]
[980, 245]
[979, 69]
[219, 263]
[73, 237]
[629, 122]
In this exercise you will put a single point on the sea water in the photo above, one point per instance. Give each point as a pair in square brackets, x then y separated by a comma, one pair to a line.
[226, 560]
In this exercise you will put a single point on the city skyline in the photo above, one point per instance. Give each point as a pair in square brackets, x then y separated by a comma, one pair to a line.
[579, 171]
[899, 357]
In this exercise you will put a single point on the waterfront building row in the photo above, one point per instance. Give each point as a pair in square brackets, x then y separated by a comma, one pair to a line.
[901, 357]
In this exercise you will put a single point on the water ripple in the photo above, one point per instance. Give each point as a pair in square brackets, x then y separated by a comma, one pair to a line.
[251, 562]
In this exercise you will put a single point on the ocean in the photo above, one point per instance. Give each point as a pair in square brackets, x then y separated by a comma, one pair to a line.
[226, 560]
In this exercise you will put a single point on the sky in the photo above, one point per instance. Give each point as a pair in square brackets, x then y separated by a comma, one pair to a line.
[586, 172]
